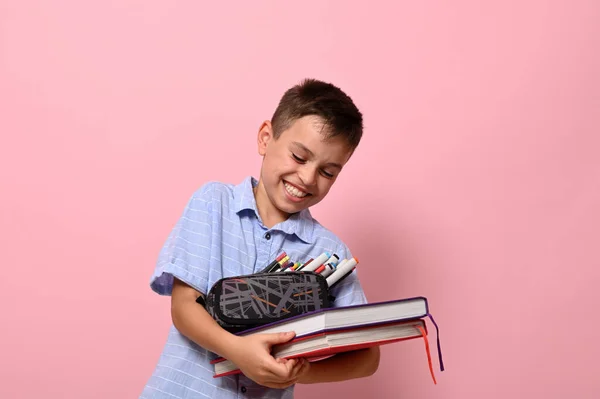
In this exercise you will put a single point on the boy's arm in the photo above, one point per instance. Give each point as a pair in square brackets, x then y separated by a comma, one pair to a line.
[251, 354]
[343, 366]
[195, 323]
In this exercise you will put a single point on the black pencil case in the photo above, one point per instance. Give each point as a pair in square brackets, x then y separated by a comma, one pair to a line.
[242, 302]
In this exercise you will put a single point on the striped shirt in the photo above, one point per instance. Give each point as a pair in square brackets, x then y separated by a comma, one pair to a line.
[220, 234]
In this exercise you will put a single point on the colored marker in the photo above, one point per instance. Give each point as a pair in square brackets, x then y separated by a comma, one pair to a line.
[342, 272]
[331, 265]
[304, 265]
[301, 265]
[287, 267]
[341, 263]
[290, 268]
[333, 260]
[281, 264]
[272, 265]
[316, 263]
[329, 269]
[293, 267]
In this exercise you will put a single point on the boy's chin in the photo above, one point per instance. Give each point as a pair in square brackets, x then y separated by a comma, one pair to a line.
[285, 206]
[290, 210]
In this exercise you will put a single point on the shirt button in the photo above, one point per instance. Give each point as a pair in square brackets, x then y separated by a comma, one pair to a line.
[243, 389]
[268, 236]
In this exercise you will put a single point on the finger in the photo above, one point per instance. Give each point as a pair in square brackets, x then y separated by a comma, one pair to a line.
[295, 371]
[297, 368]
[292, 377]
[288, 362]
[278, 338]
[304, 368]
[279, 370]
[291, 364]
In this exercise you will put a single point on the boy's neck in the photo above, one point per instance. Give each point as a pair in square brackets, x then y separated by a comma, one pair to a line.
[269, 215]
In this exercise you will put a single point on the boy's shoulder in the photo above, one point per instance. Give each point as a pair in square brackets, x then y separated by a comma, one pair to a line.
[222, 197]
[213, 188]
[210, 197]
[214, 191]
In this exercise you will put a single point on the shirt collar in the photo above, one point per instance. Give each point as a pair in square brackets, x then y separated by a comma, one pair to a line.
[301, 224]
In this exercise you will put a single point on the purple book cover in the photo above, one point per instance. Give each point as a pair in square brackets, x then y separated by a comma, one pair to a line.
[366, 305]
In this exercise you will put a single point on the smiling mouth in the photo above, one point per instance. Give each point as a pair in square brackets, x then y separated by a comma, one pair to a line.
[294, 191]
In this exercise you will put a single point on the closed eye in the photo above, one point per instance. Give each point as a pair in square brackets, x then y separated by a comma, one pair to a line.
[327, 174]
[298, 159]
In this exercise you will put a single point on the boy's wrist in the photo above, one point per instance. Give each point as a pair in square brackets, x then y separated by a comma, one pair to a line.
[229, 345]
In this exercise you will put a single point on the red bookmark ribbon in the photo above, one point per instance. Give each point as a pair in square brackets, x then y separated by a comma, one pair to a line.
[424, 334]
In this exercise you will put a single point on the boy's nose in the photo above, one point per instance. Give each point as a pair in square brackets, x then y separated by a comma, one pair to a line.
[308, 176]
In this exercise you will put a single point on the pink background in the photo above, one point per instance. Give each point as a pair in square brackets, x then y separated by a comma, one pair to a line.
[477, 183]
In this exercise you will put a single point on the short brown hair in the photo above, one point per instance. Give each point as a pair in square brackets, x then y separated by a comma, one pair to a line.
[313, 97]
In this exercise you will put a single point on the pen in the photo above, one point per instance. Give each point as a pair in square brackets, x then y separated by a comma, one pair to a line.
[304, 265]
[316, 263]
[329, 269]
[286, 266]
[273, 264]
[341, 263]
[323, 267]
[341, 272]
[281, 264]
[333, 260]
[293, 267]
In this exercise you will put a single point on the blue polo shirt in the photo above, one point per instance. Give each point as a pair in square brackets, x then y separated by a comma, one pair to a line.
[220, 234]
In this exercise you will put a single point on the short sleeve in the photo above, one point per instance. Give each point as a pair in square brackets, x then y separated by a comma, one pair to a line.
[186, 253]
[349, 291]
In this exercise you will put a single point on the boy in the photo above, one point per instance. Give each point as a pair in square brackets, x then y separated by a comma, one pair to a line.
[228, 230]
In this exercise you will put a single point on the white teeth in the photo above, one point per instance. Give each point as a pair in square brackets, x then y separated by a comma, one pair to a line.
[294, 191]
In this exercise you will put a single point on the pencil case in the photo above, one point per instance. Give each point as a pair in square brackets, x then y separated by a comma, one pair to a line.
[242, 302]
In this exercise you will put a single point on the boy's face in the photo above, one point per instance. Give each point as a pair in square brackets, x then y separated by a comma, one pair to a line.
[298, 168]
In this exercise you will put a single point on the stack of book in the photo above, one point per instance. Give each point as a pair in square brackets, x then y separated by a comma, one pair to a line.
[326, 332]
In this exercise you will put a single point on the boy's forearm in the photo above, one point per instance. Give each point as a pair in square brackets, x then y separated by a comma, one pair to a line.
[343, 366]
[194, 322]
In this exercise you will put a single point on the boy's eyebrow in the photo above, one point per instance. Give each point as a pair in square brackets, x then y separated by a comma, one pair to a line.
[310, 153]
[303, 148]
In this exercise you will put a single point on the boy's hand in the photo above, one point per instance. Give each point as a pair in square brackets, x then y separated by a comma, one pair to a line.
[303, 366]
[252, 355]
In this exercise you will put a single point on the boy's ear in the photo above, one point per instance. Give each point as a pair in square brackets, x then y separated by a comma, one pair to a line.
[265, 135]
